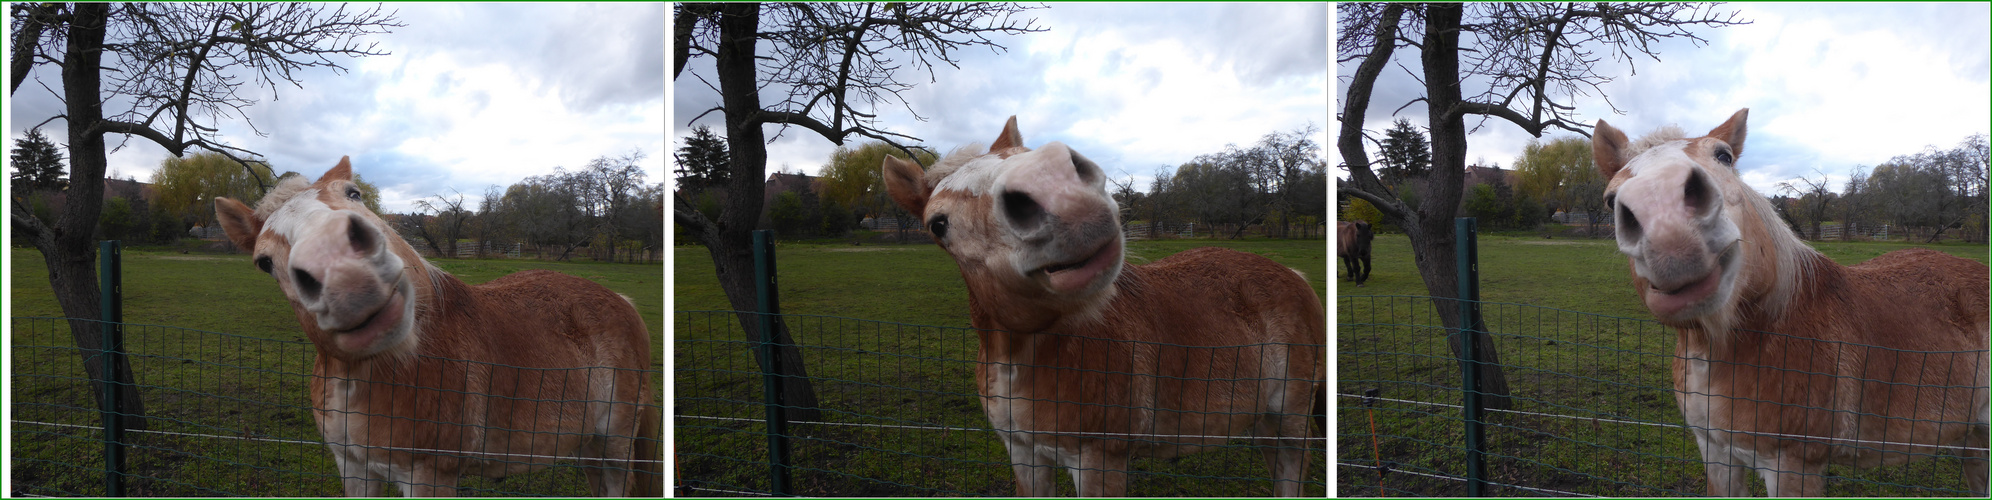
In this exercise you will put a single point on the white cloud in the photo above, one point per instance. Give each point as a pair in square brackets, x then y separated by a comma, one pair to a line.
[1830, 87]
[1133, 87]
[455, 107]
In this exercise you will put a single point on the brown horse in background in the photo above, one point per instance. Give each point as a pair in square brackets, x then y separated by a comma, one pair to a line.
[1352, 240]
[1786, 360]
[1088, 364]
[421, 379]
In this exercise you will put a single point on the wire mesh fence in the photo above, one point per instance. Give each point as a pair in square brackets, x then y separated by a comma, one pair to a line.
[1594, 411]
[899, 416]
[230, 415]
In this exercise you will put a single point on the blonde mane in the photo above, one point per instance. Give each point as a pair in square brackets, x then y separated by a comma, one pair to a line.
[278, 196]
[953, 161]
[1657, 137]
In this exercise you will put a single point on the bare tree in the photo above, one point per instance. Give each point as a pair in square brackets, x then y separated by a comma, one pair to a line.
[1534, 60]
[1856, 204]
[167, 73]
[1813, 199]
[442, 219]
[834, 64]
[616, 178]
[491, 225]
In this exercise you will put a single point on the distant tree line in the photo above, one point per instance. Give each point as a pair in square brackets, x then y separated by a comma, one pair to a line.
[1930, 194]
[1278, 184]
[604, 210]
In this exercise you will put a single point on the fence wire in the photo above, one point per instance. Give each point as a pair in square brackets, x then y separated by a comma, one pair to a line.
[1594, 411]
[230, 415]
[899, 416]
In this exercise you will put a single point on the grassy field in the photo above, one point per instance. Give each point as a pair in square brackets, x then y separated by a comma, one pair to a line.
[1581, 355]
[909, 362]
[231, 362]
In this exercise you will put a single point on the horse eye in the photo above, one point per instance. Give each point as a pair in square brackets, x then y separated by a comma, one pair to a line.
[353, 193]
[938, 226]
[1611, 200]
[263, 263]
[1722, 155]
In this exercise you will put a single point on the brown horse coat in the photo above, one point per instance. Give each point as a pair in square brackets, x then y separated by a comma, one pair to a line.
[1785, 360]
[1087, 363]
[420, 378]
[1352, 241]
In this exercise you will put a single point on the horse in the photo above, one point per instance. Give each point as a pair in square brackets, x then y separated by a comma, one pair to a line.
[1353, 246]
[1785, 360]
[1085, 362]
[420, 379]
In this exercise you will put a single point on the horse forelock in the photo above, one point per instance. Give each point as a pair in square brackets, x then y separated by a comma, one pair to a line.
[1663, 135]
[279, 196]
[960, 171]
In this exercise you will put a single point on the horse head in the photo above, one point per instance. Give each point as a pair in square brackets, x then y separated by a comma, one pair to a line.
[347, 276]
[1034, 232]
[1700, 241]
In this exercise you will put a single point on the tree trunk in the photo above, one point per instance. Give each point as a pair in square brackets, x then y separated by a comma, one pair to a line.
[1432, 233]
[70, 253]
[732, 245]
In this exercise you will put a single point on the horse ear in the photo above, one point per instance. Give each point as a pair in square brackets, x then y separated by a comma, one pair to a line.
[1732, 131]
[342, 172]
[1607, 144]
[239, 222]
[1010, 138]
[904, 181]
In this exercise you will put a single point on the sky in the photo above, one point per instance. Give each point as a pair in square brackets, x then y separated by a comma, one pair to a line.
[1134, 87]
[1831, 87]
[473, 95]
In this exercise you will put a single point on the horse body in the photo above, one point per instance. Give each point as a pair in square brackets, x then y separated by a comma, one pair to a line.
[1087, 364]
[1353, 246]
[1785, 360]
[420, 379]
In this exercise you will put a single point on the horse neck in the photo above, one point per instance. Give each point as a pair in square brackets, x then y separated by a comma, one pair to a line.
[998, 344]
[1784, 288]
[1778, 268]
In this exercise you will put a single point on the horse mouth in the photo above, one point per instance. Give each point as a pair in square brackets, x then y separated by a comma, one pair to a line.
[1688, 299]
[385, 321]
[1077, 275]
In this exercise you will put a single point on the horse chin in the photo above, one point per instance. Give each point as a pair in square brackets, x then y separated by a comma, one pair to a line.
[1692, 305]
[1087, 277]
[389, 329]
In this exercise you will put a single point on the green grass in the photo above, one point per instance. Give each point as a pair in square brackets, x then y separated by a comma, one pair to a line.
[908, 361]
[1576, 342]
[231, 362]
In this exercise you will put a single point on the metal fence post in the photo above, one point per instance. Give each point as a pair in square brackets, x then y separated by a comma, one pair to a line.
[767, 305]
[1468, 261]
[111, 303]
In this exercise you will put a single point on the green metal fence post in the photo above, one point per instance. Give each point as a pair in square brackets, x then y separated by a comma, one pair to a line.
[1468, 261]
[768, 305]
[111, 303]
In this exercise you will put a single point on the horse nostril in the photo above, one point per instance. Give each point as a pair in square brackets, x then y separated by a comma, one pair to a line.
[1088, 171]
[1698, 193]
[1021, 209]
[1628, 225]
[360, 234]
[307, 286]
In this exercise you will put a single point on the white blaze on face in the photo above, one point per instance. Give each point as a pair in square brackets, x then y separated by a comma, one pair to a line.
[337, 267]
[1671, 220]
[973, 178]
